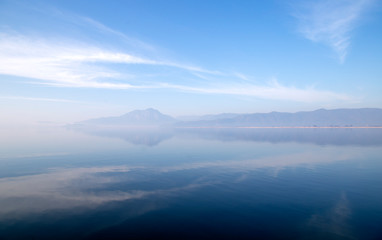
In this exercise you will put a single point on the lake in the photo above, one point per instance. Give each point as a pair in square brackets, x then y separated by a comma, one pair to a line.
[59, 183]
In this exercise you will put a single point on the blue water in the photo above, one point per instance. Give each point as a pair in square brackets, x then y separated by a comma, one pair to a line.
[58, 183]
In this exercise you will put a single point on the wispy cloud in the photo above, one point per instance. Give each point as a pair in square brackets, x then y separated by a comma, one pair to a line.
[272, 91]
[39, 99]
[241, 76]
[331, 22]
[75, 65]
[103, 28]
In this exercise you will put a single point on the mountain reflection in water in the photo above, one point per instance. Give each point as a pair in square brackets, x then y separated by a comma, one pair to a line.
[321, 136]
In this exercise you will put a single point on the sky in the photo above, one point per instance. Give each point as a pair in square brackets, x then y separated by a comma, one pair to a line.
[67, 61]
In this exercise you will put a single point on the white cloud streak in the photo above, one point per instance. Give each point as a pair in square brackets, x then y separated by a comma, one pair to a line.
[68, 65]
[39, 99]
[101, 27]
[331, 22]
[274, 91]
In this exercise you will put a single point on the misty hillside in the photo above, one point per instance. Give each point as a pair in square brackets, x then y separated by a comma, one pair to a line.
[365, 117]
[208, 117]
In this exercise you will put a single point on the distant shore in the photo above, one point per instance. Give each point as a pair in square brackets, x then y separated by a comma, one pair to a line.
[280, 127]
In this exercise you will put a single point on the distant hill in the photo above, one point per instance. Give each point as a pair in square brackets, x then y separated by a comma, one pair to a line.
[147, 117]
[363, 117]
[338, 137]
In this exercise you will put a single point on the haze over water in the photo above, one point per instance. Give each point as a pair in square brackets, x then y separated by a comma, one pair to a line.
[191, 184]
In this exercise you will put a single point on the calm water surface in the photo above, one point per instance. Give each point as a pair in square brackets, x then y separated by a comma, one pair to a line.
[60, 183]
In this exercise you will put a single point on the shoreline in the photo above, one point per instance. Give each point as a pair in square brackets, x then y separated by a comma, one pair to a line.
[289, 127]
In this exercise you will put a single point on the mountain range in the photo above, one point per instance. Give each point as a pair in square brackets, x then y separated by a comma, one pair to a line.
[361, 117]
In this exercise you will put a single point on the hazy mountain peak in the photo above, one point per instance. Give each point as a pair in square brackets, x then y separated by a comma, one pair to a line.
[146, 117]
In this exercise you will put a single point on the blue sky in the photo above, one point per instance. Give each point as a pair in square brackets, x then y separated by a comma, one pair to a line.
[65, 61]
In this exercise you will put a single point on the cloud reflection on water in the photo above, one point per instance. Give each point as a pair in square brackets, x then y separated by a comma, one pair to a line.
[334, 220]
[275, 162]
[70, 188]
[87, 188]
